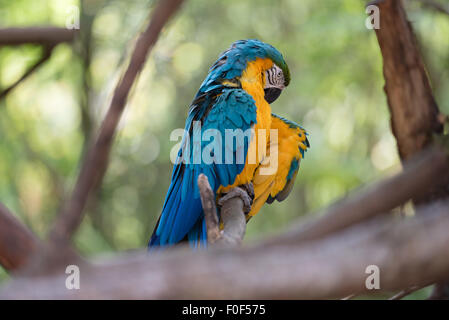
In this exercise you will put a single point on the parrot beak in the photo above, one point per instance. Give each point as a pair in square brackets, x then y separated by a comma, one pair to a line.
[271, 94]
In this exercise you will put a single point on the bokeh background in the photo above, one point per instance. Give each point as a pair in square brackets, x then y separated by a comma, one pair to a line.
[336, 93]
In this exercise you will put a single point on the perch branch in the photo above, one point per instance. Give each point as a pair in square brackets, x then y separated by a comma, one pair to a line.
[209, 208]
[97, 155]
[17, 242]
[234, 222]
[407, 251]
[419, 175]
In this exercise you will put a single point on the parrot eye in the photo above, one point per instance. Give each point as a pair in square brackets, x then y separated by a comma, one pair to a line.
[280, 77]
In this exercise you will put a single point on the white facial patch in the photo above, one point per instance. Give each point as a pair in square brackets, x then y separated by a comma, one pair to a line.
[274, 78]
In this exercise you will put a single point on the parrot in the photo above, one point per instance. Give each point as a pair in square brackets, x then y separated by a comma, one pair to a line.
[234, 97]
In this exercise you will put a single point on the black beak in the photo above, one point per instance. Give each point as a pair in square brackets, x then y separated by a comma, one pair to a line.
[271, 94]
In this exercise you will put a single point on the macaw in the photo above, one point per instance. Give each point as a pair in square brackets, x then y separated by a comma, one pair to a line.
[236, 95]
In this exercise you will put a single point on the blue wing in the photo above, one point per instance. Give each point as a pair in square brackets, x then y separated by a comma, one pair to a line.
[220, 109]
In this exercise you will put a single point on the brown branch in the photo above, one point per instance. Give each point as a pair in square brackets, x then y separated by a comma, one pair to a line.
[415, 117]
[414, 112]
[408, 252]
[231, 213]
[209, 208]
[97, 156]
[17, 242]
[45, 56]
[418, 177]
[234, 222]
[47, 36]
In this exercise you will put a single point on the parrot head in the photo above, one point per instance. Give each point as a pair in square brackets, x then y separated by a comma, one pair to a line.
[232, 63]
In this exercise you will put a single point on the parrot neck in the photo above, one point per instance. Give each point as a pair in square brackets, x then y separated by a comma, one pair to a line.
[253, 82]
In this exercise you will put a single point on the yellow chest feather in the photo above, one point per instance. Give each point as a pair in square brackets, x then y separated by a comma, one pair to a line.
[253, 82]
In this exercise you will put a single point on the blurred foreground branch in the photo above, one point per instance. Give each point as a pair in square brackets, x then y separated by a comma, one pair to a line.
[45, 56]
[409, 252]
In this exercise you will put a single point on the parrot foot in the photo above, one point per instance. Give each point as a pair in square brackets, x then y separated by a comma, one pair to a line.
[244, 192]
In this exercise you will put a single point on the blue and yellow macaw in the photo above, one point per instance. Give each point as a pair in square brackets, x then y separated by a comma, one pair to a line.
[236, 94]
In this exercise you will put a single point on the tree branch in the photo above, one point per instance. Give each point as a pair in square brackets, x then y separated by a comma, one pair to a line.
[45, 56]
[17, 242]
[47, 36]
[231, 213]
[234, 222]
[410, 252]
[209, 208]
[435, 6]
[415, 117]
[97, 156]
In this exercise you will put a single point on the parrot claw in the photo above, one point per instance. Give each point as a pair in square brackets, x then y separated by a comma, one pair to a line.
[249, 188]
[244, 192]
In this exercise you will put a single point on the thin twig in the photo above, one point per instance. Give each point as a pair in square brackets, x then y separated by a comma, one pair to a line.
[45, 56]
[97, 156]
[231, 213]
[435, 6]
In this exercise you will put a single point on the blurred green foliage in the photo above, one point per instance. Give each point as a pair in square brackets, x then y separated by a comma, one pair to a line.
[336, 93]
